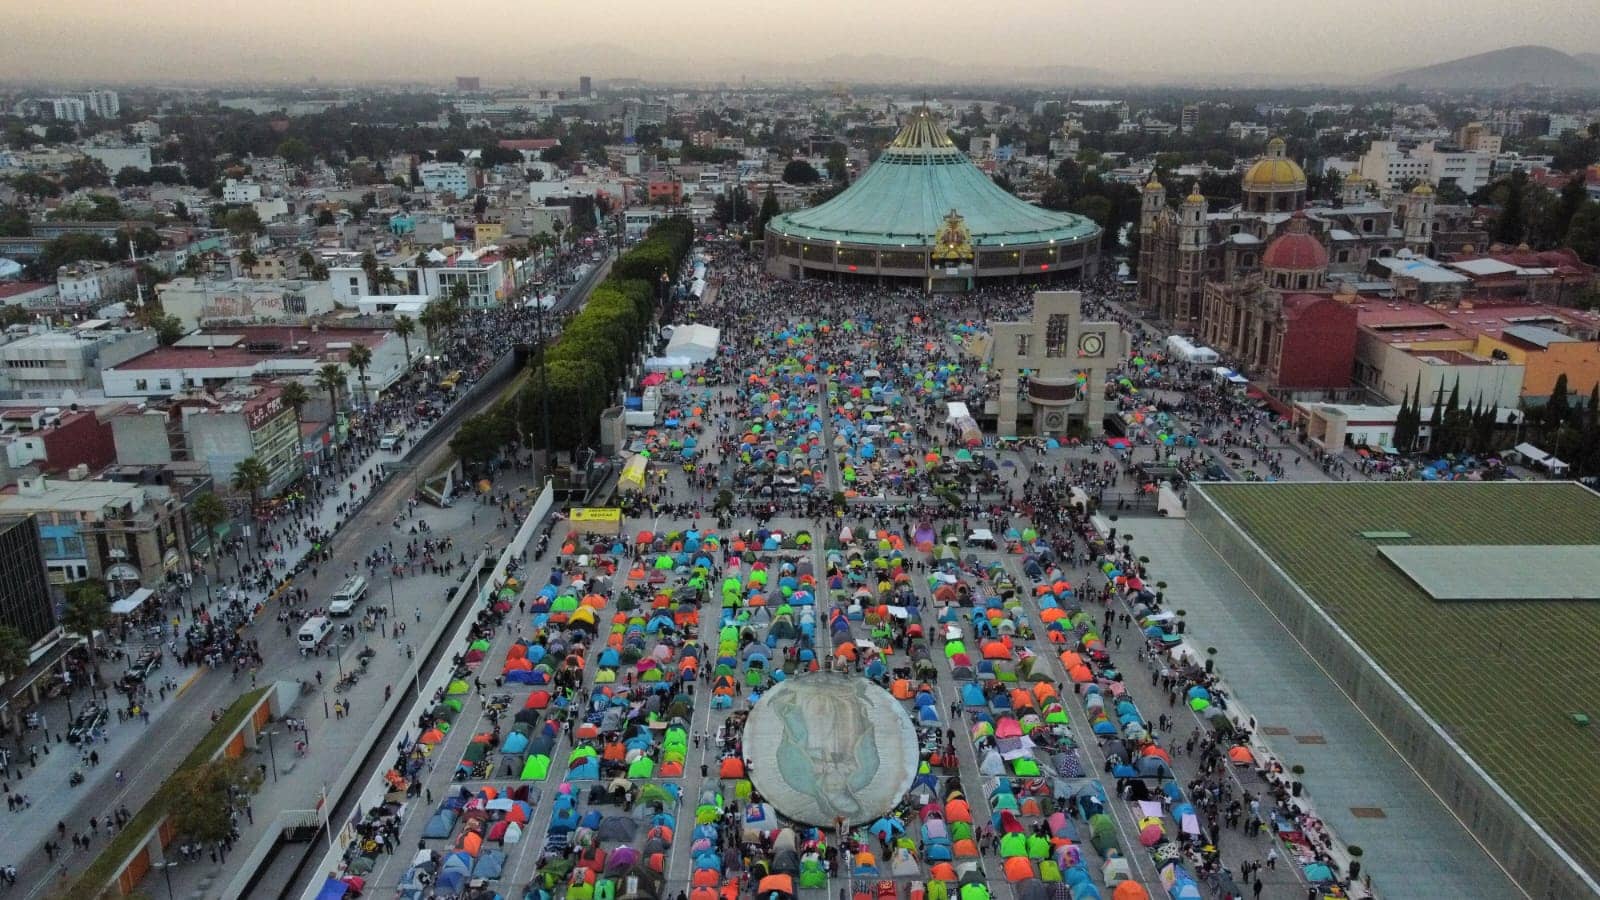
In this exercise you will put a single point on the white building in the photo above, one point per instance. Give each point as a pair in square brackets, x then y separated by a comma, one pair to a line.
[65, 365]
[245, 301]
[235, 191]
[1564, 123]
[115, 159]
[489, 278]
[1389, 165]
[86, 283]
[146, 130]
[208, 361]
[104, 104]
[445, 177]
[67, 109]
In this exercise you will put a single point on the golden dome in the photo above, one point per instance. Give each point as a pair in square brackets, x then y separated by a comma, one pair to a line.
[1275, 146]
[1153, 185]
[1195, 197]
[1274, 173]
[1422, 190]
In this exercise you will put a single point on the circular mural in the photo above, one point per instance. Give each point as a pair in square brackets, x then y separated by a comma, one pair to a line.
[828, 745]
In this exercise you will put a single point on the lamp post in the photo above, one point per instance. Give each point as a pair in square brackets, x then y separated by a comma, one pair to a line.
[391, 591]
[166, 870]
[272, 754]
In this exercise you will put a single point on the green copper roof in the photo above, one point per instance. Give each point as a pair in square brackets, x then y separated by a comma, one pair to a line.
[904, 198]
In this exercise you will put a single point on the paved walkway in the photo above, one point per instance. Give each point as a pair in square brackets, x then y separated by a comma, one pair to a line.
[1359, 785]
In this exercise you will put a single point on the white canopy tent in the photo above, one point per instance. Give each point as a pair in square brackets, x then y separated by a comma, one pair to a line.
[131, 602]
[697, 343]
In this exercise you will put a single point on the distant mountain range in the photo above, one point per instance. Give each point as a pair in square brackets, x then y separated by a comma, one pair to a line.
[1507, 68]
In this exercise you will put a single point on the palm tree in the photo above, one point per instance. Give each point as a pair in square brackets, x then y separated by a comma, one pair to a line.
[405, 326]
[307, 261]
[359, 357]
[331, 378]
[295, 396]
[87, 611]
[251, 475]
[209, 512]
[247, 261]
[13, 653]
[459, 292]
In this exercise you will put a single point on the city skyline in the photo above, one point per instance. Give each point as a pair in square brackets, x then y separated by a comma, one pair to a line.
[1144, 40]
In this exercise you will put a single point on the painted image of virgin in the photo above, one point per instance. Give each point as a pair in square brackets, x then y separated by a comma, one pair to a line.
[828, 751]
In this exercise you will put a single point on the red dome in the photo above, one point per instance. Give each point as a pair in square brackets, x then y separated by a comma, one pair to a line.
[1295, 250]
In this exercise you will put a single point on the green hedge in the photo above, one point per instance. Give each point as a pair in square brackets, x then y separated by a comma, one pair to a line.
[589, 360]
[96, 879]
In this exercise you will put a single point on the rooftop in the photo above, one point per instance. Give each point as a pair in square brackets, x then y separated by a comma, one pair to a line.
[1499, 676]
[247, 346]
[905, 195]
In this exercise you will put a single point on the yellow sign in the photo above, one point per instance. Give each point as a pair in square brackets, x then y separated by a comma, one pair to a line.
[596, 514]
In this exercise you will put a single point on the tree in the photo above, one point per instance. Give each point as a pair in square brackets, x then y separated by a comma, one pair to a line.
[331, 379]
[1583, 233]
[838, 166]
[88, 610]
[128, 176]
[1405, 433]
[359, 357]
[14, 221]
[492, 154]
[459, 293]
[295, 152]
[769, 209]
[1558, 409]
[206, 795]
[481, 438]
[84, 172]
[209, 512]
[35, 186]
[13, 653]
[1557, 219]
[1511, 226]
[798, 171]
[251, 475]
[324, 217]
[295, 396]
[243, 221]
[70, 248]
[248, 260]
[142, 241]
[405, 326]
[169, 330]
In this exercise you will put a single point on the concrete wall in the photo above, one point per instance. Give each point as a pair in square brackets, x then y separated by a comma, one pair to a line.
[1520, 845]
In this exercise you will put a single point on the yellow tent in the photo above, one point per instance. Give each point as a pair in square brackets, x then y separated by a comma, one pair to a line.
[633, 474]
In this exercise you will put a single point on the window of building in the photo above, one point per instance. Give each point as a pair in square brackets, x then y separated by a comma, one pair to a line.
[141, 384]
[166, 384]
[1023, 342]
[1344, 256]
[1366, 226]
[355, 283]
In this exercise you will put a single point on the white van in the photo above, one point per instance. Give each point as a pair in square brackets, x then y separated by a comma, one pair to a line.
[313, 631]
[344, 600]
[390, 441]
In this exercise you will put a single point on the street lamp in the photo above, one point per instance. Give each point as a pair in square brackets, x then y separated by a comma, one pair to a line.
[272, 754]
[391, 591]
[166, 870]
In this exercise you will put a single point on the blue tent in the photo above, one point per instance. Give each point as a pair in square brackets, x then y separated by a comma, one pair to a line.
[333, 889]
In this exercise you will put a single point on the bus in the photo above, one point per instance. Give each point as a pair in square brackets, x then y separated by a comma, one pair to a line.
[448, 384]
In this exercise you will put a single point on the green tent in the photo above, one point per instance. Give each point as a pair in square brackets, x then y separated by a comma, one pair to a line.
[1013, 844]
[536, 768]
[643, 767]
[458, 687]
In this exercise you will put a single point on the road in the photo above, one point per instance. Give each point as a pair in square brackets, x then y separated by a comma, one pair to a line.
[147, 753]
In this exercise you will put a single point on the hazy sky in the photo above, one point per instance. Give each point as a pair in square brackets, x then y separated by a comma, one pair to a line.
[226, 40]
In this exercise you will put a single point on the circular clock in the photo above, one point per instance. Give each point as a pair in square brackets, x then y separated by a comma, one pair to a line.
[1091, 345]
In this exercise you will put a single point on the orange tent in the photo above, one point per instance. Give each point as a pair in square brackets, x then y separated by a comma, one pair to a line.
[703, 893]
[1043, 690]
[957, 810]
[781, 883]
[902, 689]
[471, 842]
[1130, 890]
[1019, 868]
[732, 767]
[1070, 659]
[965, 849]
[587, 730]
[1241, 755]
[942, 871]
[1081, 674]
[1021, 699]
[432, 736]
[707, 878]
[670, 769]
[845, 650]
